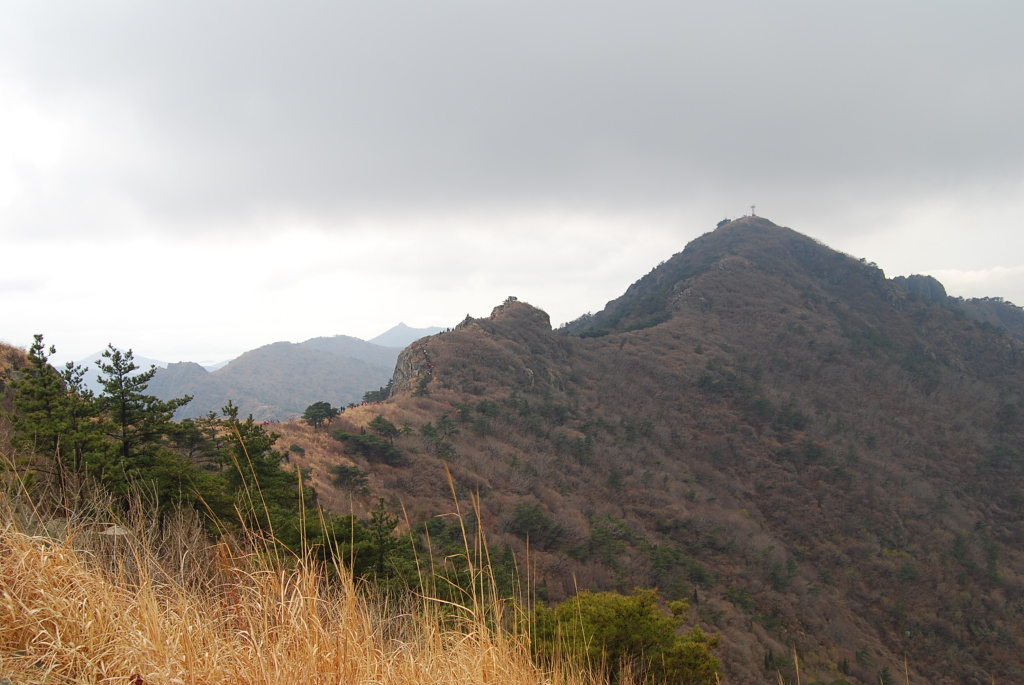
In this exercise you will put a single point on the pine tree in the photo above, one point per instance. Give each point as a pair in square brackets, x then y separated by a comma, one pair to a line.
[319, 413]
[267, 497]
[38, 391]
[54, 420]
[385, 428]
[628, 631]
[83, 444]
[383, 543]
[137, 425]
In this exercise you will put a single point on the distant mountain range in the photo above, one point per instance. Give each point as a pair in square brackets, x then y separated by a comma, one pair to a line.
[278, 381]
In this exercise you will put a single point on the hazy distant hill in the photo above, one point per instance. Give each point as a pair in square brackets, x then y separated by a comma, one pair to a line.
[994, 312]
[402, 335]
[93, 372]
[280, 380]
[817, 457]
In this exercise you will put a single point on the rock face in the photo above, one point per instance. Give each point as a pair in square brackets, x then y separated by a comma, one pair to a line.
[926, 287]
[187, 372]
[410, 368]
[513, 315]
[510, 321]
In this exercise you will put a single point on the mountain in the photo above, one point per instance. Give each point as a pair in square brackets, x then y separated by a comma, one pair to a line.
[402, 335]
[278, 381]
[92, 375]
[819, 458]
[993, 312]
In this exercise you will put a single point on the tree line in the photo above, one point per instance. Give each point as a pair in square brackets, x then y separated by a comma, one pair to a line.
[77, 451]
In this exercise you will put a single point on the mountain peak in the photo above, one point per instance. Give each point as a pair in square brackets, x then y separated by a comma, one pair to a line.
[747, 221]
[760, 421]
[743, 247]
[402, 335]
[514, 311]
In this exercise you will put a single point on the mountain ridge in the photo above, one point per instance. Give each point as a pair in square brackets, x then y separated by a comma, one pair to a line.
[818, 458]
[278, 381]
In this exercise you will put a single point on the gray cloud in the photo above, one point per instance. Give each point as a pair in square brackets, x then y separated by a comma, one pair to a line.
[331, 111]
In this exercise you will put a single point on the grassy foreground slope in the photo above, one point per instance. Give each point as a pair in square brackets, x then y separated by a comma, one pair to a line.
[88, 602]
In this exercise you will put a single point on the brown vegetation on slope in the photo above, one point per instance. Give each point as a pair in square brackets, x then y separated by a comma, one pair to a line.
[11, 359]
[770, 428]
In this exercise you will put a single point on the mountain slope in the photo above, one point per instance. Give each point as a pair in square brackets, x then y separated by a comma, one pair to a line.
[815, 457]
[279, 381]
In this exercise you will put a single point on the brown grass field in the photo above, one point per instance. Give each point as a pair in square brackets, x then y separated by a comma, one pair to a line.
[83, 601]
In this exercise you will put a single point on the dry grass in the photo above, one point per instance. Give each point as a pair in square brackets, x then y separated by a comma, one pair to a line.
[164, 607]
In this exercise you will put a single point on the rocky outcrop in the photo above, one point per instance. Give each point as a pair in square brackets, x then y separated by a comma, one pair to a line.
[411, 367]
[513, 322]
[927, 288]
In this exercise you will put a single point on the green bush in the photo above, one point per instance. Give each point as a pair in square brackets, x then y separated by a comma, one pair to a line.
[488, 408]
[530, 522]
[348, 477]
[385, 428]
[616, 632]
[373, 447]
[421, 387]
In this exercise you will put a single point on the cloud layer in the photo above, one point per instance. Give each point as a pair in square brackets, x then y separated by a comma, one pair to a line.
[455, 150]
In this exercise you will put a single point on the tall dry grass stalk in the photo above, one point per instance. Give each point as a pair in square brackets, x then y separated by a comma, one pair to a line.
[85, 601]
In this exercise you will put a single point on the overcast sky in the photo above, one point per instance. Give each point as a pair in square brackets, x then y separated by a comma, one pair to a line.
[196, 179]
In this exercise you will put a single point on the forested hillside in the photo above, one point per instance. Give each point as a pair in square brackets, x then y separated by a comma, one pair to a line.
[815, 456]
